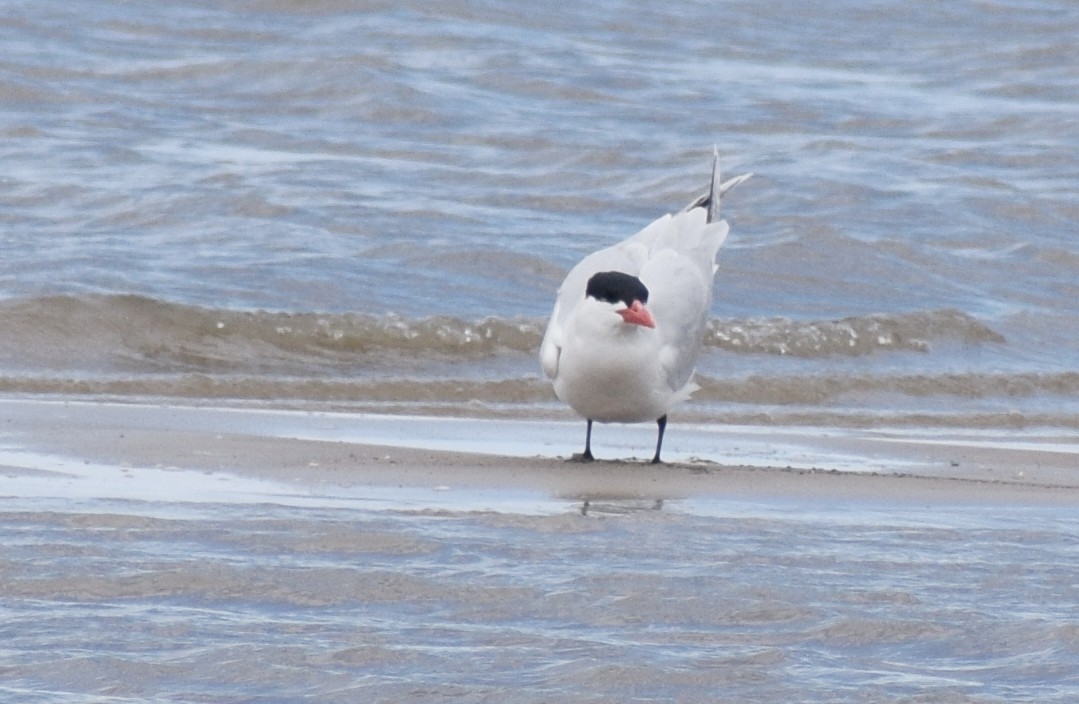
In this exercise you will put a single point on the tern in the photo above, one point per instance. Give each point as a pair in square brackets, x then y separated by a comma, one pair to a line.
[622, 341]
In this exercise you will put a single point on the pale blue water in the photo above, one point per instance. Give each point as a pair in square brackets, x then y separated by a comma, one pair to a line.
[325, 159]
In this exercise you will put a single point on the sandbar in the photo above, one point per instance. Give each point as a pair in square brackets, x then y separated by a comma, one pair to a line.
[327, 449]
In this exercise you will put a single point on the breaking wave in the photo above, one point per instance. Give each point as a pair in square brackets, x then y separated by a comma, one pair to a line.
[132, 346]
[138, 334]
[135, 334]
[855, 336]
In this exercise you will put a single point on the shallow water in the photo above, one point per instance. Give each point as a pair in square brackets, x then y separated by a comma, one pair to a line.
[402, 187]
[440, 598]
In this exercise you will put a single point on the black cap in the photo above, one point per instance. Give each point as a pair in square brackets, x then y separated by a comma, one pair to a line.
[616, 286]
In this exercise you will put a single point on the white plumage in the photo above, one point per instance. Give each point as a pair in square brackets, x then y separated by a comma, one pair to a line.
[599, 349]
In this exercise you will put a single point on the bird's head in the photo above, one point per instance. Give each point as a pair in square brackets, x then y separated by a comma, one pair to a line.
[625, 294]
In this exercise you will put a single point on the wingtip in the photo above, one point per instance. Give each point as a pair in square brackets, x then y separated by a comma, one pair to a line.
[733, 182]
[715, 187]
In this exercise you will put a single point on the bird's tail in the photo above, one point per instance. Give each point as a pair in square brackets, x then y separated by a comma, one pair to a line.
[716, 190]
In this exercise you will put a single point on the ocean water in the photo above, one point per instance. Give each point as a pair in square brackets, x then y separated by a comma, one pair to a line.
[373, 204]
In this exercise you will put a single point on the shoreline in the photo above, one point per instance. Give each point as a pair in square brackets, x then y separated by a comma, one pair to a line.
[321, 450]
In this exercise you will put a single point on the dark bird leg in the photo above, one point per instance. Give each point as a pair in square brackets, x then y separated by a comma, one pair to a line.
[585, 456]
[662, 423]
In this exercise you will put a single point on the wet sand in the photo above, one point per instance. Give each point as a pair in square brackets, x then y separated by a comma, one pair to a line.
[277, 446]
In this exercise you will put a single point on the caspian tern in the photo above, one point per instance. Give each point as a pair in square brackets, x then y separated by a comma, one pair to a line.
[622, 341]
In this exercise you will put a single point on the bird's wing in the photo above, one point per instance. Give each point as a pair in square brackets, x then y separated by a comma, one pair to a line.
[679, 275]
[679, 279]
[551, 347]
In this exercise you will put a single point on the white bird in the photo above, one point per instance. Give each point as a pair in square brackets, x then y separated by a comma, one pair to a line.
[623, 338]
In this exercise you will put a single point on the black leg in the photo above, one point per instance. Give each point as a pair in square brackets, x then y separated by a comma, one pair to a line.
[586, 456]
[662, 423]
